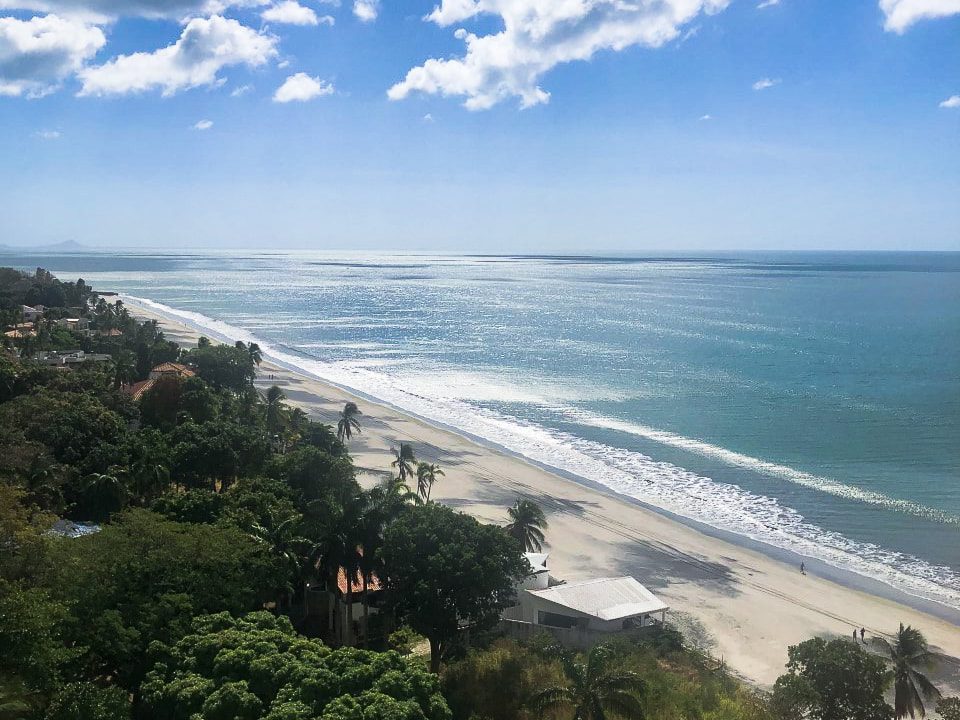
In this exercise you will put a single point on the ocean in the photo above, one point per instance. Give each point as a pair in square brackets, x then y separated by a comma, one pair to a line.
[808, 402]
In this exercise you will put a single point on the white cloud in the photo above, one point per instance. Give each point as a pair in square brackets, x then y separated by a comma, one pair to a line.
[203, 125]
[951, 102]
[536, 37]
[36, 54]
[240, 91]
[706, 117]
[764, 83]
[104, 10]
[901, 14]
[206, 46]
[301, 87]
[290, 12]
[47, 134]
[366, 10]
[767, 3]
[428, 118]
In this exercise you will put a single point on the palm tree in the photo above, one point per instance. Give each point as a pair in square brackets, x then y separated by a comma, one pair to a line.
[109, 492]
[275, 397]
[348, 421]
[404, 461]
[124, 369]
[527, 523]
[909, 651]
[287, 545]
[593, 689]
[256, 355]
[203, 341]
[427, 474]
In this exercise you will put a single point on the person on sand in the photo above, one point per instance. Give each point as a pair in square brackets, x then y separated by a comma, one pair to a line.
[854, 634]
[863, 631]
[803, 569]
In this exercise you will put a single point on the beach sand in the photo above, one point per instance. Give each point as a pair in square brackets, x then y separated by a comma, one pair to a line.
[741, 605]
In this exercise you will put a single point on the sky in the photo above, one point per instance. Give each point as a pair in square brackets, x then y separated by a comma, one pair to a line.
[481, 125]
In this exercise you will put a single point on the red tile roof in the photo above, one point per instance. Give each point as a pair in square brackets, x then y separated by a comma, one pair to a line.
[138, 390]
[372, 585]
[172, 367]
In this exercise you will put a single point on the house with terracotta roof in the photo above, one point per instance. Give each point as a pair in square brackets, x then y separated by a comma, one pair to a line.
[341, 616]
[163, 371]
[171, 369]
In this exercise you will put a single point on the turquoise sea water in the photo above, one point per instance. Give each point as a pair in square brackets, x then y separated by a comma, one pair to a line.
[810, 402]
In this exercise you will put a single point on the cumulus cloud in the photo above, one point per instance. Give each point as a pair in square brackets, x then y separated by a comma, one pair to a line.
[36, 54]
[366, 10]
[901, 14]
[951, 102]
[536, 37]
[203, 125]
[764, 83]
[301, 87]
[241, 91]
[206, 46]
[290, 12]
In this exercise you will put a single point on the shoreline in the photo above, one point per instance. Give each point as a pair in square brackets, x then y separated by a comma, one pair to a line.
[744, 599]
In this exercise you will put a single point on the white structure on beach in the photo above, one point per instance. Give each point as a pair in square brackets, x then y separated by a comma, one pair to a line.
[603, 605]
[539, 577]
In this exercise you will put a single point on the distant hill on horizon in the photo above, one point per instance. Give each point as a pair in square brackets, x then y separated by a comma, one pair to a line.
[60, 247]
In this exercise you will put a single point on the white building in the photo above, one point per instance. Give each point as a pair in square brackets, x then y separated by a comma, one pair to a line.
[601, 605]
[539, 577]
[32, 314]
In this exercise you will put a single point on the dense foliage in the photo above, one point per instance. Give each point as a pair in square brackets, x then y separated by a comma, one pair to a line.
[259, 667]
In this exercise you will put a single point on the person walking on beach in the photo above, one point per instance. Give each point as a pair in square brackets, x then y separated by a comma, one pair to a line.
[803, 569]
[854, 634]
[863, 631]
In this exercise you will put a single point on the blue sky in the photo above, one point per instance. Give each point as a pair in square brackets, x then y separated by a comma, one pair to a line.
[488, 125]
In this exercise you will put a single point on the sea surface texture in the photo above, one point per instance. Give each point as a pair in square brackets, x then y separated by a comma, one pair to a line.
[810, 402]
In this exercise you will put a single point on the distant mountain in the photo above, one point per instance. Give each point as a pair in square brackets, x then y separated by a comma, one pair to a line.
[67, 246]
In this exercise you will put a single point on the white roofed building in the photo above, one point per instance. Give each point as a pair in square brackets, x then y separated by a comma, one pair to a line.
[578, 612]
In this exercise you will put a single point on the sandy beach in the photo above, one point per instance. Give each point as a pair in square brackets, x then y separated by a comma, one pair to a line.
[740, 604]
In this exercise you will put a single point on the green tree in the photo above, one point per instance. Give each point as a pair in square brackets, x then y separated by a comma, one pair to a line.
[142, 578]
[908, 652]
[835, 680]
[223, 366]
[124, 368]
[527, 523]
[445, 570]
[85, 701]
[404, 461]
[275, 409]
[348, 422]
[256, 666]
[594, 690]
[427, 474]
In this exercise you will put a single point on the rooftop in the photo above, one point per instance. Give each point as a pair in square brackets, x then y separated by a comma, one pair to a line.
[172, 367]
[604, 598]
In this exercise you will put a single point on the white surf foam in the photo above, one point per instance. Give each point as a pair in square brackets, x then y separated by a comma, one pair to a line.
[659, 484]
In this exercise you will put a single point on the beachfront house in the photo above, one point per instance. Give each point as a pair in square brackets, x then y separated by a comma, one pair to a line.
[580, 614]
[77, 325]
[54, 358]
[340, 622]
[32, 314]
[163, 371]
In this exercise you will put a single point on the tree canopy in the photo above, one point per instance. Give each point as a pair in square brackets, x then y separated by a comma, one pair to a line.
[446, 570]
[256, 666]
